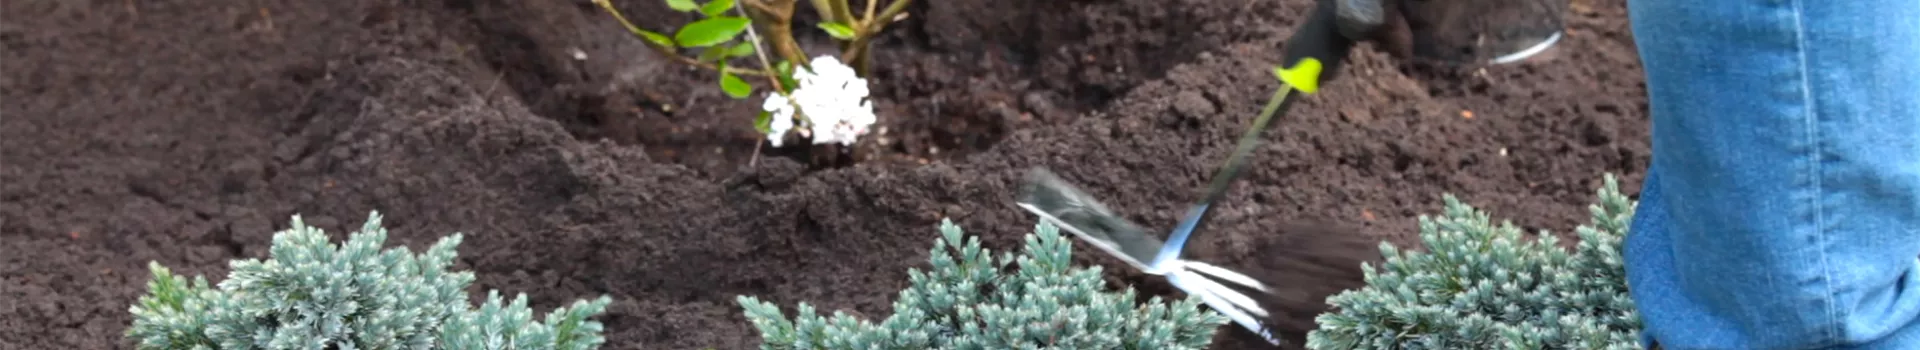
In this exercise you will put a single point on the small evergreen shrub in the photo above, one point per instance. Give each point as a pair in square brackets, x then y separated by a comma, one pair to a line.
[313, 295]
[1482, 286]
[967, 302]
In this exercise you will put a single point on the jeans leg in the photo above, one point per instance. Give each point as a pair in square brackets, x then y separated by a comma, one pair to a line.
[1782, 208]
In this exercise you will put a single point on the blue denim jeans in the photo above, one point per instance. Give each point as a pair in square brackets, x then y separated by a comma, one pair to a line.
[1782, 206]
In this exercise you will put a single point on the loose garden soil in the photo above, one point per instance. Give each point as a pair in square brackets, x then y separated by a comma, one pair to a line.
[578, 163]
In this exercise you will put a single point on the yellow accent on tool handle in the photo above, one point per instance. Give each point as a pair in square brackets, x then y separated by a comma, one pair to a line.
[1303, 76]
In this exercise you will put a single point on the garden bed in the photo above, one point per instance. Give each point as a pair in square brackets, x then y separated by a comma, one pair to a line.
[187, 133]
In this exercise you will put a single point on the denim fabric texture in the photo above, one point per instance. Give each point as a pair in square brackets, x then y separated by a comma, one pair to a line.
[1782, 206]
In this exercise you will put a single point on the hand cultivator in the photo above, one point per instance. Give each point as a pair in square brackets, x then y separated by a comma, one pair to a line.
[1312, 56]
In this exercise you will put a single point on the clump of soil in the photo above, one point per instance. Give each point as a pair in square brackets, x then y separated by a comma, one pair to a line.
[187, 133]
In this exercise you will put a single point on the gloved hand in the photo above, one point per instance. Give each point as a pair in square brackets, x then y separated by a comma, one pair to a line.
[1377, 21]
[1318, 47]
[1451, 31]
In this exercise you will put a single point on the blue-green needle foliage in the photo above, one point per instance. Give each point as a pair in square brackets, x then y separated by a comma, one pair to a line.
[313, 295]
[967, 302]
[1482, 286]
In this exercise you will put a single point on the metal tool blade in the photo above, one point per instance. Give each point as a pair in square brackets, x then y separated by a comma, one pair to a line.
[1073, 210]
[1484, 31]
[1066, 206]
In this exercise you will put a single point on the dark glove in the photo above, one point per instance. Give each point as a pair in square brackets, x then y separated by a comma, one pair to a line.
[1314, 54]
[1451, 31]
[1376, 21]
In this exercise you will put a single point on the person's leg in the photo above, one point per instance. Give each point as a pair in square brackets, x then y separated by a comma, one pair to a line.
[1782, 208]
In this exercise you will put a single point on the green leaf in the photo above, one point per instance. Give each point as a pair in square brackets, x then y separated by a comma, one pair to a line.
[764, 122]
[682, 5]
[656, 38]
[733, 85]
[837, 30]
[741, 49]
[716, 8]
[785, 70]
[710, 31]
[713, 54]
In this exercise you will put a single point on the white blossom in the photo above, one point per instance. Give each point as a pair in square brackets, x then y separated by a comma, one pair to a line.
[832, 99]
[780, 111]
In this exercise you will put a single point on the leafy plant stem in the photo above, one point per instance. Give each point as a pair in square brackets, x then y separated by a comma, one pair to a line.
[856, 52]
[845, 11]
[837, 11]
[668, 51]
[825, 9]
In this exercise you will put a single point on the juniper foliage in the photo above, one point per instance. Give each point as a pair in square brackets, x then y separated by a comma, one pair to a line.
[1482, 286]
[313, 295]
[966, 302]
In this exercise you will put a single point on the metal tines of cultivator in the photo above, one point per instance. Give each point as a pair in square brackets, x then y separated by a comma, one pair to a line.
[1067, 207]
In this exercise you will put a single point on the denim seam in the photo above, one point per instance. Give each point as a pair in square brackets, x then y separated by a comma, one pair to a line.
[1812, 206]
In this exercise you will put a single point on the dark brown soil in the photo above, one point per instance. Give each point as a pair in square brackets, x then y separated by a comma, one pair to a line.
[187, 132]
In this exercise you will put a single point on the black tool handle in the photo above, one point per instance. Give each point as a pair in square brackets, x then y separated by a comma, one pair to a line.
[1319, 39]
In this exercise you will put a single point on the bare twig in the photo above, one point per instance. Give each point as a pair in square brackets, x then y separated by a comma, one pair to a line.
[825, 9]
[754, 161]
[757, 5]
[759, 50]
[268, 17]
[869, 15]
[497, 76]
[886, 17]
[780, 30]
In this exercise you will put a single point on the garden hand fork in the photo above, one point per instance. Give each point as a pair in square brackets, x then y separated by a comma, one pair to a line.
[1316, 47]
[1066, 207]
[1313, 54]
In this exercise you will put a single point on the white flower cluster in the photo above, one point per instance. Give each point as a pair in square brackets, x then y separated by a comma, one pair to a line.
[833, 99]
